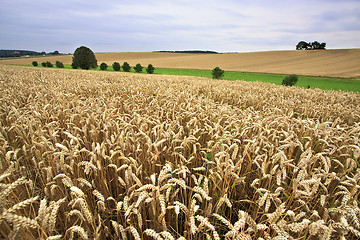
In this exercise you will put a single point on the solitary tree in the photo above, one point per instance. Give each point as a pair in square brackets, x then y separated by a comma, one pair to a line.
[35, 63]
[126, 67]
[116, 66]
[49, 64]
[217, 73]
[84, 58]
[150, 69]
[138, 68]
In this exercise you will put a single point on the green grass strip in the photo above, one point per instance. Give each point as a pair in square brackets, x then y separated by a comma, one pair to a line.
[344, 84]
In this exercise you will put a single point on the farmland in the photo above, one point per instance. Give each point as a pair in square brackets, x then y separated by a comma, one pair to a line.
[324, 83]
[343, 63]
[90, 154]
[327, 70]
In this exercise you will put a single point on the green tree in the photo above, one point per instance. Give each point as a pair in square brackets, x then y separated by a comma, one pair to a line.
[34, 63]
[317, 45]
[103, 66]
[217, 73]
[138, 68]
[84, 58]
[116, 66]
[43, 64]
[302, 45]
[59, 64]
[74, 66]
[49, 64]
[290, 80]
[126, 67]
[150, 69]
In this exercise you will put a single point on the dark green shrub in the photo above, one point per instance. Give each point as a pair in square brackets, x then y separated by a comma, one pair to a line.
[49, 64]
[43, 64]
[59, 64]
[138, 68]
[103, 66]
[116, 66]
[150, 69]
[74, 66]
[290, 80]
[302, 45]
[217, 73]
[34, 63]
[126, 67]
[84, 58]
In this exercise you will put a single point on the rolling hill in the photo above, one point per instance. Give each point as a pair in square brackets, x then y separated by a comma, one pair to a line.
[328, 63]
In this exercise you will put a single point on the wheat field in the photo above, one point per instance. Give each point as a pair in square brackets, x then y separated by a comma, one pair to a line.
[343, 63]
[105, 155]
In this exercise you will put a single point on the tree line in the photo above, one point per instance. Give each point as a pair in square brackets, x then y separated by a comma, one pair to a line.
[189, 51]
[302, 45]
[84, 58]
[22, 53]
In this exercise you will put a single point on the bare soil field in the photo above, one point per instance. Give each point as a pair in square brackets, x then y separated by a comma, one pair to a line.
[327, 63]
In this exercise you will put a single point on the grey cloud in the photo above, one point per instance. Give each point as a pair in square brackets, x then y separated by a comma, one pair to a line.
[232, 25]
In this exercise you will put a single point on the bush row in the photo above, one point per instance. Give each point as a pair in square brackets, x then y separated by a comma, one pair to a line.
[103, 66]
[217, 72]
[58, 64]
[126, 67]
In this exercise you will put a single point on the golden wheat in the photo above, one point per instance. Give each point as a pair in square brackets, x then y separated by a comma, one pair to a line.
[115, 155]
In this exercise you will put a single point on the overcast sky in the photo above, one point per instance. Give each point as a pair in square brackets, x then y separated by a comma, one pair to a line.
[150, 25]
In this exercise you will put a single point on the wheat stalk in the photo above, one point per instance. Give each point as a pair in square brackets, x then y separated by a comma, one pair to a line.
[264, 160]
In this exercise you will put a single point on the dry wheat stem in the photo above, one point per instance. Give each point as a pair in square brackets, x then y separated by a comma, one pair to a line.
[117, 155]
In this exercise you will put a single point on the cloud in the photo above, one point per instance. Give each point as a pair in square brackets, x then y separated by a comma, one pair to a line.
[147, 25]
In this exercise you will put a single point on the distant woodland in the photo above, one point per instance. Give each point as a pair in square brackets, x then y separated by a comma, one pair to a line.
[189, 51]
[24, 53]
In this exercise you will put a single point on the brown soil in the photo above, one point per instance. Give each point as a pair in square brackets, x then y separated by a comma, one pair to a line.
[331, 63]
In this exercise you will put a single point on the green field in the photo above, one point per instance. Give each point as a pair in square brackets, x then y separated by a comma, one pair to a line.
[344, 84]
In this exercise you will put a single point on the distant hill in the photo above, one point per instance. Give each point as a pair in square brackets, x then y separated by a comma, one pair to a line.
[325, 63]
[189, 51]
[23, 53]
[18, 53]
